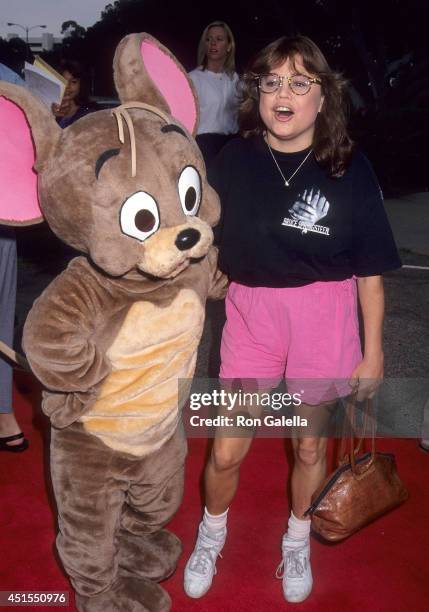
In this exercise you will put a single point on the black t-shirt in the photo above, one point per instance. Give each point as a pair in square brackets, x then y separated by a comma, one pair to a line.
[317, 229]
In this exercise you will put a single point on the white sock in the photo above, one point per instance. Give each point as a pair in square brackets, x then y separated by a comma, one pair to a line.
[298, 531]
[215, 522]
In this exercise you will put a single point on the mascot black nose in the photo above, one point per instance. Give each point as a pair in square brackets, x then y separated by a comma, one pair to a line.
[187, 238]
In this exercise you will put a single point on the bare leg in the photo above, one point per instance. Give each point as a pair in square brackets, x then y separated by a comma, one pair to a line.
[222, 473]
[309, 468]
[221, 481]
[308, 471]
[9, 427]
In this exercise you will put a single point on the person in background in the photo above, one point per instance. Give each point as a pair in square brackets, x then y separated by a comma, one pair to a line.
[11, 437]
[6, 74]
[216, 83]
[75, 103]
[304, 235]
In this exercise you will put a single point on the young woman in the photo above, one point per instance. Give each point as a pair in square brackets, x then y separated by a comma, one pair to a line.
[303, 232]
[75, 100]
[216, 81]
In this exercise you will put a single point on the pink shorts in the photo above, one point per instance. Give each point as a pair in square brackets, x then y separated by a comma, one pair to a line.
[309, 335]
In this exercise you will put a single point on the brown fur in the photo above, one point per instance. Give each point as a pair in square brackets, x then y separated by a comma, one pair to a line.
[111, 335]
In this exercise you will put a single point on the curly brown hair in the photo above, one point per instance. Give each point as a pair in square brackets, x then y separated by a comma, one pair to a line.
[332, 144]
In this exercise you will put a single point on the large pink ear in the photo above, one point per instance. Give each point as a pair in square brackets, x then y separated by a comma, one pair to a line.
[172, 82]
[18, 181]
[146, 71]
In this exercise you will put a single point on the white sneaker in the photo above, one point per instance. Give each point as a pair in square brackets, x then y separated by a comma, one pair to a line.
[201, 566]
[295, 570]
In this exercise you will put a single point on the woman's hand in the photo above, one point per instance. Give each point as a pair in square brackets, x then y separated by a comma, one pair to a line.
[368, 376]
[369, 373]
[63, 109]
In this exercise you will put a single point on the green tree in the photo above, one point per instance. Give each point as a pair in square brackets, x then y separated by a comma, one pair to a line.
[71, 29]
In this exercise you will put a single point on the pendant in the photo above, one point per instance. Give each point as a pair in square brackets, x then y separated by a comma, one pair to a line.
[286, 183]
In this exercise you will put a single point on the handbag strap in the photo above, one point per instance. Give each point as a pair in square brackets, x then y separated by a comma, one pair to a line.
[348, 419]
[354, 448]
[368, 416]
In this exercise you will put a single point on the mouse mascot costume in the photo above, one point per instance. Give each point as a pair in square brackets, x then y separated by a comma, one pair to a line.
[111, 336]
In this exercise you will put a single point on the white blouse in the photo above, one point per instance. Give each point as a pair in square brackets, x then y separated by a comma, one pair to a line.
[218, 99]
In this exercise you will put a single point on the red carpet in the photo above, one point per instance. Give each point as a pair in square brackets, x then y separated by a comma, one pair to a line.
[384, 568]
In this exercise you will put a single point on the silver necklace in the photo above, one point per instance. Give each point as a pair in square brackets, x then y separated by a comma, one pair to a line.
[287, 181]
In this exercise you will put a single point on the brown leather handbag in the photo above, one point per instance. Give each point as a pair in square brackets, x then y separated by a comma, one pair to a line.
[362, 488]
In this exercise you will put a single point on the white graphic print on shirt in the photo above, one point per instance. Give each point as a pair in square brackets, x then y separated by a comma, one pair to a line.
[308, 209]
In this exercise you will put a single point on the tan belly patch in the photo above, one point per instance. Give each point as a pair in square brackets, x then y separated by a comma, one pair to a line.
[137, 408]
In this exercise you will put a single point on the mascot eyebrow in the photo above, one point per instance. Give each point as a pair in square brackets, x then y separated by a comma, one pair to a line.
[103, 158]
[172, 127]
[121, 114]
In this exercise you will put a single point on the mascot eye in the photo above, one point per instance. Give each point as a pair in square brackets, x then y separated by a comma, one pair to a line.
[139, 216]
[190, 190]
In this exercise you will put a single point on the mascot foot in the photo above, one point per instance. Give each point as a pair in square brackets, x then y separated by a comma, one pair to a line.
[128, 595]
[152, 556]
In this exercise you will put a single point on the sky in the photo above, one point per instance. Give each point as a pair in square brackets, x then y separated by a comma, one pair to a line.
[51, 13]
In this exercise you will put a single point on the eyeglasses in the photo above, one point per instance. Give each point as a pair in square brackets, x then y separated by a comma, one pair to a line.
[300, 84]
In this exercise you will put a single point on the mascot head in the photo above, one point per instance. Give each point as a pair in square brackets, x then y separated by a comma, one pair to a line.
[125, 186]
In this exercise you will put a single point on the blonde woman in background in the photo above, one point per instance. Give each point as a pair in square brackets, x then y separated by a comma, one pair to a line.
[216, 82]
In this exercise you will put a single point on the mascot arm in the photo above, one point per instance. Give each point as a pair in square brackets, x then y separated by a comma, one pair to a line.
[61, 339]
[219, 280]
